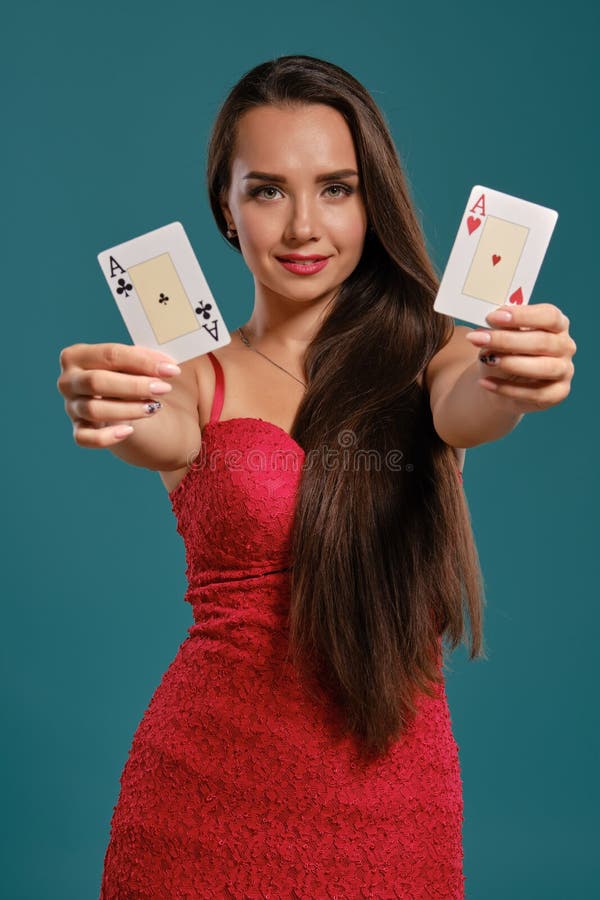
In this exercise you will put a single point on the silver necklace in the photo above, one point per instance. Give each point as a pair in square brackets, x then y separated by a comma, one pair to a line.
[249, 345]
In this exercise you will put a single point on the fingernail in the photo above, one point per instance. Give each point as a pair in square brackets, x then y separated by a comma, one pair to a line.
[480, 337]
[153, 406]
[122, 430]
[168, 369]
[490, 385]
[499, 315]
[159, 387]
[489, 360]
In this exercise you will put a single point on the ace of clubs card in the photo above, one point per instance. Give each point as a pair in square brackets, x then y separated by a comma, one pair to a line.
[162, 294]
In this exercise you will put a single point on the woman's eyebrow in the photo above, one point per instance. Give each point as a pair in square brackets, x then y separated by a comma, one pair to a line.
[328, 176]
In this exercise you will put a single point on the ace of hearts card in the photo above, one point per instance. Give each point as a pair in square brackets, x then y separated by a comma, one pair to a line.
[496, 257]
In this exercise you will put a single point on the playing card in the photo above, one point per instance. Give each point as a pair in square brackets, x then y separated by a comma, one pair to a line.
[162, 294]
[496, 257]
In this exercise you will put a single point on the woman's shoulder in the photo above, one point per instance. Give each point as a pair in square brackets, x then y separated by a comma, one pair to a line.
[236, 367]
[206, 377]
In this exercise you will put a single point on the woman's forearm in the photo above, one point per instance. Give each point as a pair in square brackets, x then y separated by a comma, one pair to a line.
[469, 415]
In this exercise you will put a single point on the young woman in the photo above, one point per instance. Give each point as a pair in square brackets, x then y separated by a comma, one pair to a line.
[300, 743]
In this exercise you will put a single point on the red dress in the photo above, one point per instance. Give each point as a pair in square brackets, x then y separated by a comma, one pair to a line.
[239, 783]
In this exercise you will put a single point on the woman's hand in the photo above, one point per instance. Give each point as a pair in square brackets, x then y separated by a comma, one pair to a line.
[107, 385]
[529, 357]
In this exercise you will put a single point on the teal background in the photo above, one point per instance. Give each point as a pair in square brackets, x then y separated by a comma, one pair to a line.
[106, 113]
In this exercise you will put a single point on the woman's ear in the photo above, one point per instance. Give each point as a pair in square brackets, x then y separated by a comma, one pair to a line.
[226, 213]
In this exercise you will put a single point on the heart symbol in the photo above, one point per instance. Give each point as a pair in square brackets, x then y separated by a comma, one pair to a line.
[473, 224]
[496, 259]
[516, 297]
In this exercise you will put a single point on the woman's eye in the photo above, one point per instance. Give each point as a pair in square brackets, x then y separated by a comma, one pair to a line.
[343, 188]
[268, 188]
[258, 192]
[339, 189]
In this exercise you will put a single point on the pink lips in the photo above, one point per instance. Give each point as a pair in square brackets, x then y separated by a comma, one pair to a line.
[303, 268]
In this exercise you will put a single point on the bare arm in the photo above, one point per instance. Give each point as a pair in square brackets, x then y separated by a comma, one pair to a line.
[464, 413]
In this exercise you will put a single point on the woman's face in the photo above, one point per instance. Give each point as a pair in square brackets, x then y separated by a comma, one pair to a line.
[286, 198]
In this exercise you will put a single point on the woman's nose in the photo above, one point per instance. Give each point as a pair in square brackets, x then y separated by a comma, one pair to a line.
[303, 221]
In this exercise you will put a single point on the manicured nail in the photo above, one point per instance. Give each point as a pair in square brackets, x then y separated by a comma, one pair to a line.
[153, 406]
[489, 359]
[479, 337]
[499, 315]
[160, 387]
[490, 385]
[165, 368]
[122, 431]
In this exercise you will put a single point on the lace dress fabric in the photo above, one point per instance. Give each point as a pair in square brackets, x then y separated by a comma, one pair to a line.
[240, 782]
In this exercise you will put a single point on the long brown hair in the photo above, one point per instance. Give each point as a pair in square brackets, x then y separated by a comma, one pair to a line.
[384, 562]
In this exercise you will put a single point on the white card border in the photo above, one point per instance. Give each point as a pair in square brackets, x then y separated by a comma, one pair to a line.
[539, 219]
[171, 239]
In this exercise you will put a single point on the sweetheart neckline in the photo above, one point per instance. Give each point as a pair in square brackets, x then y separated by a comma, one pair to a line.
[175, 491]
[171, 494]
[255, 419]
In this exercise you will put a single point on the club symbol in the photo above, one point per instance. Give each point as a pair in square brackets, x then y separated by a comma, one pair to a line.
[162, 298]
[124, 287]
[203, 310]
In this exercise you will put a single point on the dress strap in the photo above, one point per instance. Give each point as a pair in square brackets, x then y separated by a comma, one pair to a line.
[217, 404]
